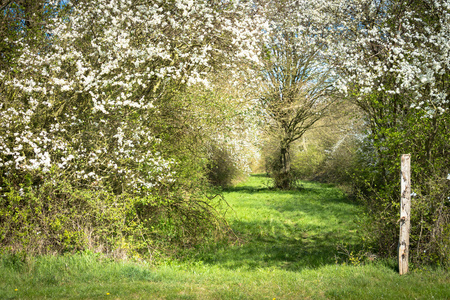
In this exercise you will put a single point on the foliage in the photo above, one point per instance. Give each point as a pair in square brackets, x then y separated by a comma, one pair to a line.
[137, 102]
[327, 152]
[97, 91]
[225, 122]
[92, 109]
[275, 168]
[395, 69]
[56, 217]
[20, 20]
[396, 53]
[221, 167]
[308, 156]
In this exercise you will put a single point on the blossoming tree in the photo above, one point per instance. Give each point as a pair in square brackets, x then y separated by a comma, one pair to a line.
[393, 61]
[85, 102]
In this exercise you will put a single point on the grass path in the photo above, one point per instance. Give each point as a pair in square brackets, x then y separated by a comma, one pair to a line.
[287, 251]
[289, 230]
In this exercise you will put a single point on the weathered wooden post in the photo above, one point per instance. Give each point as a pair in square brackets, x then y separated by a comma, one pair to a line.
[405, 214]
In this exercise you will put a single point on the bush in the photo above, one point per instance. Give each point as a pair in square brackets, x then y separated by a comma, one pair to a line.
[221, 167]
[105, 149]
[307, 160]
[430, 218]
[378, 184]
[56, 217]
[430, 221]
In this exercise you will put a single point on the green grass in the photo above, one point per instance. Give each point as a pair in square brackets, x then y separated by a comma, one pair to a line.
[287, 250]
[290, 230]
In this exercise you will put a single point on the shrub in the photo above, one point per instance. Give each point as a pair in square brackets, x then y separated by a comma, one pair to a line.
[430, 219]
[56, 217]
[221, 167]
[98, 147]
[378, 184]
[306, 160]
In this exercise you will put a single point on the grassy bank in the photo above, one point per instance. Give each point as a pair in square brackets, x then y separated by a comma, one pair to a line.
[287, 249]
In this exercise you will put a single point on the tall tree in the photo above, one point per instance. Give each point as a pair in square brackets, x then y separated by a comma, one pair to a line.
[296, 84]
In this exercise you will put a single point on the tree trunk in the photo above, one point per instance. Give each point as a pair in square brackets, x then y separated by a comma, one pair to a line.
[285, 160]
[284, 176]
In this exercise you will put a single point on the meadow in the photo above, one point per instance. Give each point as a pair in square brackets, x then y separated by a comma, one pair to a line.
[304, 244]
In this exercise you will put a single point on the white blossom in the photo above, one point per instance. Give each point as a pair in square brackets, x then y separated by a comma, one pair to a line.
[107, 60]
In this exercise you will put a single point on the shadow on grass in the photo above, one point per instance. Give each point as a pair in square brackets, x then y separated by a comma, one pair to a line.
[291, 230]
[252, 189]
[247, 189]
[290, 253]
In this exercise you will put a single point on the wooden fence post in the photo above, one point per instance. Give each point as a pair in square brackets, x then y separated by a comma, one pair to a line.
[405, 214]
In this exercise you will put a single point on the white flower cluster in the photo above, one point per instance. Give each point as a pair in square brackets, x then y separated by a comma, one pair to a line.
[21, 147]
[83, 104]
[380, 47]
[395, 49]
